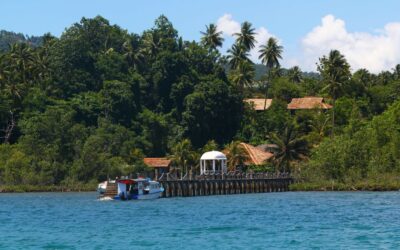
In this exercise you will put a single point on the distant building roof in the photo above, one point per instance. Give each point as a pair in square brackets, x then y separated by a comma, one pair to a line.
[259, 103]
[308, 102]
[157, 162]
[256, 156]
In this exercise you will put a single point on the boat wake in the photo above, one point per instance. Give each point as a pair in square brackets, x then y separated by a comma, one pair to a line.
[105, 198]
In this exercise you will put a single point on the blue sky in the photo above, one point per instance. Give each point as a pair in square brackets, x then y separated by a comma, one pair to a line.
[307, 29]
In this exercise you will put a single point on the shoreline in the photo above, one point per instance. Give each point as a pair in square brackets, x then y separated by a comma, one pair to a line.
[42, 189]
[296, 187]
[337, 187]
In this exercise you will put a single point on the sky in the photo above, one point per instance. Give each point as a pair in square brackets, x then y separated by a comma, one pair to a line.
[367, 32]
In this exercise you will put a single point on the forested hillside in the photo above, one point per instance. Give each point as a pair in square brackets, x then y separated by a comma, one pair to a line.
[96, 100]
[8, 38]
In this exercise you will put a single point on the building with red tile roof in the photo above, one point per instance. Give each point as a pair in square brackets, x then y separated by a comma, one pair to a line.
[308, 102]
[259, 104]
[160, 165]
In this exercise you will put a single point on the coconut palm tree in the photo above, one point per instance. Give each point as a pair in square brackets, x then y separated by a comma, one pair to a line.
[210, 146]
[291, 147]
[21, 55]
[335, 72]
[212, 38]
[244, 74]
[246, 36]
[270, 54]
[4, 70]
[236, 55]
[364, 77]
[133, 54]
[319, 126]
[151, 43]
[295, 75]
[236, 155]
[183, 155]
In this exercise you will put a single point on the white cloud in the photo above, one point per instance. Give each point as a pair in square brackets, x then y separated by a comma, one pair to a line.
[229, 27]
[375, 52]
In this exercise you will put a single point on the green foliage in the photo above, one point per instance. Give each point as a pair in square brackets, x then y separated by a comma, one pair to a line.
[282, 88]
[371, 148]
[93, 102]
[236, 155]
[183, 156]
[212, 111]
[255, 126]
[210, 146]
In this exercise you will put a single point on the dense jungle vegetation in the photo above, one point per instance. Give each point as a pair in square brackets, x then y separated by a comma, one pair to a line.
[93, 102]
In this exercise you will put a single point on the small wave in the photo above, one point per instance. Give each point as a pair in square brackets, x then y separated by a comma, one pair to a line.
[105, 199]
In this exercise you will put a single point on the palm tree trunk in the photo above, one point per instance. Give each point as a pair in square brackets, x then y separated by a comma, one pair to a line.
[266, 91]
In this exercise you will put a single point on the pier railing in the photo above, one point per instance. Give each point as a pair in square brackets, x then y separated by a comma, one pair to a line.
[236, 175]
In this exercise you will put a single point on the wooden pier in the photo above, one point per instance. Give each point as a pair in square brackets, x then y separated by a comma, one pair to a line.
[224, 184]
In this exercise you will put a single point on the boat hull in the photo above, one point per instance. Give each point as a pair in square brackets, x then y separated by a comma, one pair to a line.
[150, 196]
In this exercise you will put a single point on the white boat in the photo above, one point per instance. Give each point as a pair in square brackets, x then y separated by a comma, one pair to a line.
[131, 189]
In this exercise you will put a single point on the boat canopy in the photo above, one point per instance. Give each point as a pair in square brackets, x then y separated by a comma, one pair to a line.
[127, 181]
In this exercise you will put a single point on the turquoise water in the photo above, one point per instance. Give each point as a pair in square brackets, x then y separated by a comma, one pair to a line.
[331, 220]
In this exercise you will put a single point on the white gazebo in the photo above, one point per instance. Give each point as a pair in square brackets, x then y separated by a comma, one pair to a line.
[213, 162]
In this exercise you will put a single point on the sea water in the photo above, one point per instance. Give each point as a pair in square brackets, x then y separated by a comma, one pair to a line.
[292, 220]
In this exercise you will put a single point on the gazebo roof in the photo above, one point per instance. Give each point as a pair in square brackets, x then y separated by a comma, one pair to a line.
[213, 155]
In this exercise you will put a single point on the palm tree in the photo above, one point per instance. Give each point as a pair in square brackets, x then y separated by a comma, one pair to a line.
[270, 54]
[319, 126]
[183, 155]
[133, 54]
[212, 38]
[295, 75]
[151, 43]
[42, 66]
[22, 56]
[210, 146]
[236, 55]
[236, 155]
[4, 71]
[335, 72]
[363, 76]
[291, 147]
[243, 75]
[246, 36]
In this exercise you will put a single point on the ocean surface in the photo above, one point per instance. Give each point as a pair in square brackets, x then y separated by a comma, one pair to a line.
[292, 220]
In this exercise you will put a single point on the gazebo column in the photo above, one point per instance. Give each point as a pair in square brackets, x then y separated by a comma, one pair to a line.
[214, 165]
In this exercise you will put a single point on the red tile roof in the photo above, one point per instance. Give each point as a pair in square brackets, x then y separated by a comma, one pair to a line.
[256, 156]
[308, 102]
[157, 162]
[259, 103]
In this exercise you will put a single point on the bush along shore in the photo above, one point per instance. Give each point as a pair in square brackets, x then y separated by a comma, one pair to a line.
[384, 183]
[49, 188]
